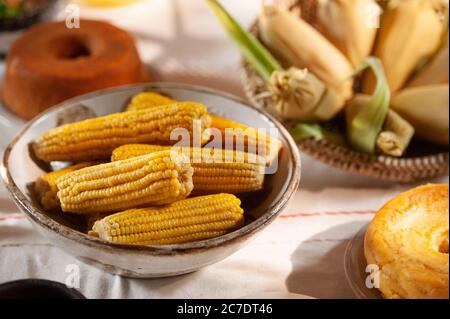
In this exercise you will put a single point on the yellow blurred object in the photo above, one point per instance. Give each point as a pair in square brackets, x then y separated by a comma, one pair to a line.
[440, 5]
[427, 109]
[347, 25]
[436, 72]
[146, 100]
[107, 3]
[408, 242]
[411, 32]
[298, 44]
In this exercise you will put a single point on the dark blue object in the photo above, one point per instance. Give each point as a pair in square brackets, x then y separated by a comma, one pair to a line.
[37, 289]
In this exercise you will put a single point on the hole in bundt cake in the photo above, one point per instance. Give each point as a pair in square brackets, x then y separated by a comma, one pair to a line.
[71, 48]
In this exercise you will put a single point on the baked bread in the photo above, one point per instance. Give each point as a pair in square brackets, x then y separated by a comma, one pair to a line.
[408, 241]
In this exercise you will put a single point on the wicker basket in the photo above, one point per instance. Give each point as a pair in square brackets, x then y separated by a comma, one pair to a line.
[422, 162]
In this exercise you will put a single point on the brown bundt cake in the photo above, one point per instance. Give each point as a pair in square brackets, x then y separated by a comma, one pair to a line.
[50, 63]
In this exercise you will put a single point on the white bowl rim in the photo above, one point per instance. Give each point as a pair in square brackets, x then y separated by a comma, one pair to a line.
[72, 234]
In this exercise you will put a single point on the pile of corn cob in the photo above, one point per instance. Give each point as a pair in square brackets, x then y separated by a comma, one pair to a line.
[152, 193]
[317, 71]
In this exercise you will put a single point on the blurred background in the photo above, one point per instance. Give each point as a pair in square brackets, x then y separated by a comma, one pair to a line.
[179, 40]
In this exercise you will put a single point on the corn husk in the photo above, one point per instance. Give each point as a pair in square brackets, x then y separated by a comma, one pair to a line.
[396, 134]
[350, 25]
[305, 131]
[300, 95]
[439, 5]
[365, 119]
[427, 109]
[436, 72]
[298, 44]
[411, 32]
[297, 94]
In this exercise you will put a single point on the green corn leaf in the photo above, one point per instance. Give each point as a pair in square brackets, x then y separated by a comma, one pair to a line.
[253, 51]
[9, 11]
[366, 125]
[303, 131]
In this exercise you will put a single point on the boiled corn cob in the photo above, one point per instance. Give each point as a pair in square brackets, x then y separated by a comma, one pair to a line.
[154, 179]
[46, 189]
[215, 170]
[347, 25]
[92, 218]
[148, 99]
[427, 109]
[254, 140]
[96, 138]
[411, 32]
[184, 221]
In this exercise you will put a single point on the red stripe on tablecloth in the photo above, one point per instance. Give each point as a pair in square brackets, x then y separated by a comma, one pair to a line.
[297, 215]
[11, 217]
[339, 213]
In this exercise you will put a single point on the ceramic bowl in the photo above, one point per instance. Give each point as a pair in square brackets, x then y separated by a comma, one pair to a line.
[19, 170]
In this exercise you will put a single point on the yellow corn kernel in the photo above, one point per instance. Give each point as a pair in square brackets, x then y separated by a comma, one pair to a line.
[251, 136]
[155, 179]
[184, 221]
[215, 170]
[231, 131]
[46, 189]
[147, 100]
[95, 139]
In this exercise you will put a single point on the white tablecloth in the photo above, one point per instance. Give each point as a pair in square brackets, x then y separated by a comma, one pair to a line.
[301, 252]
